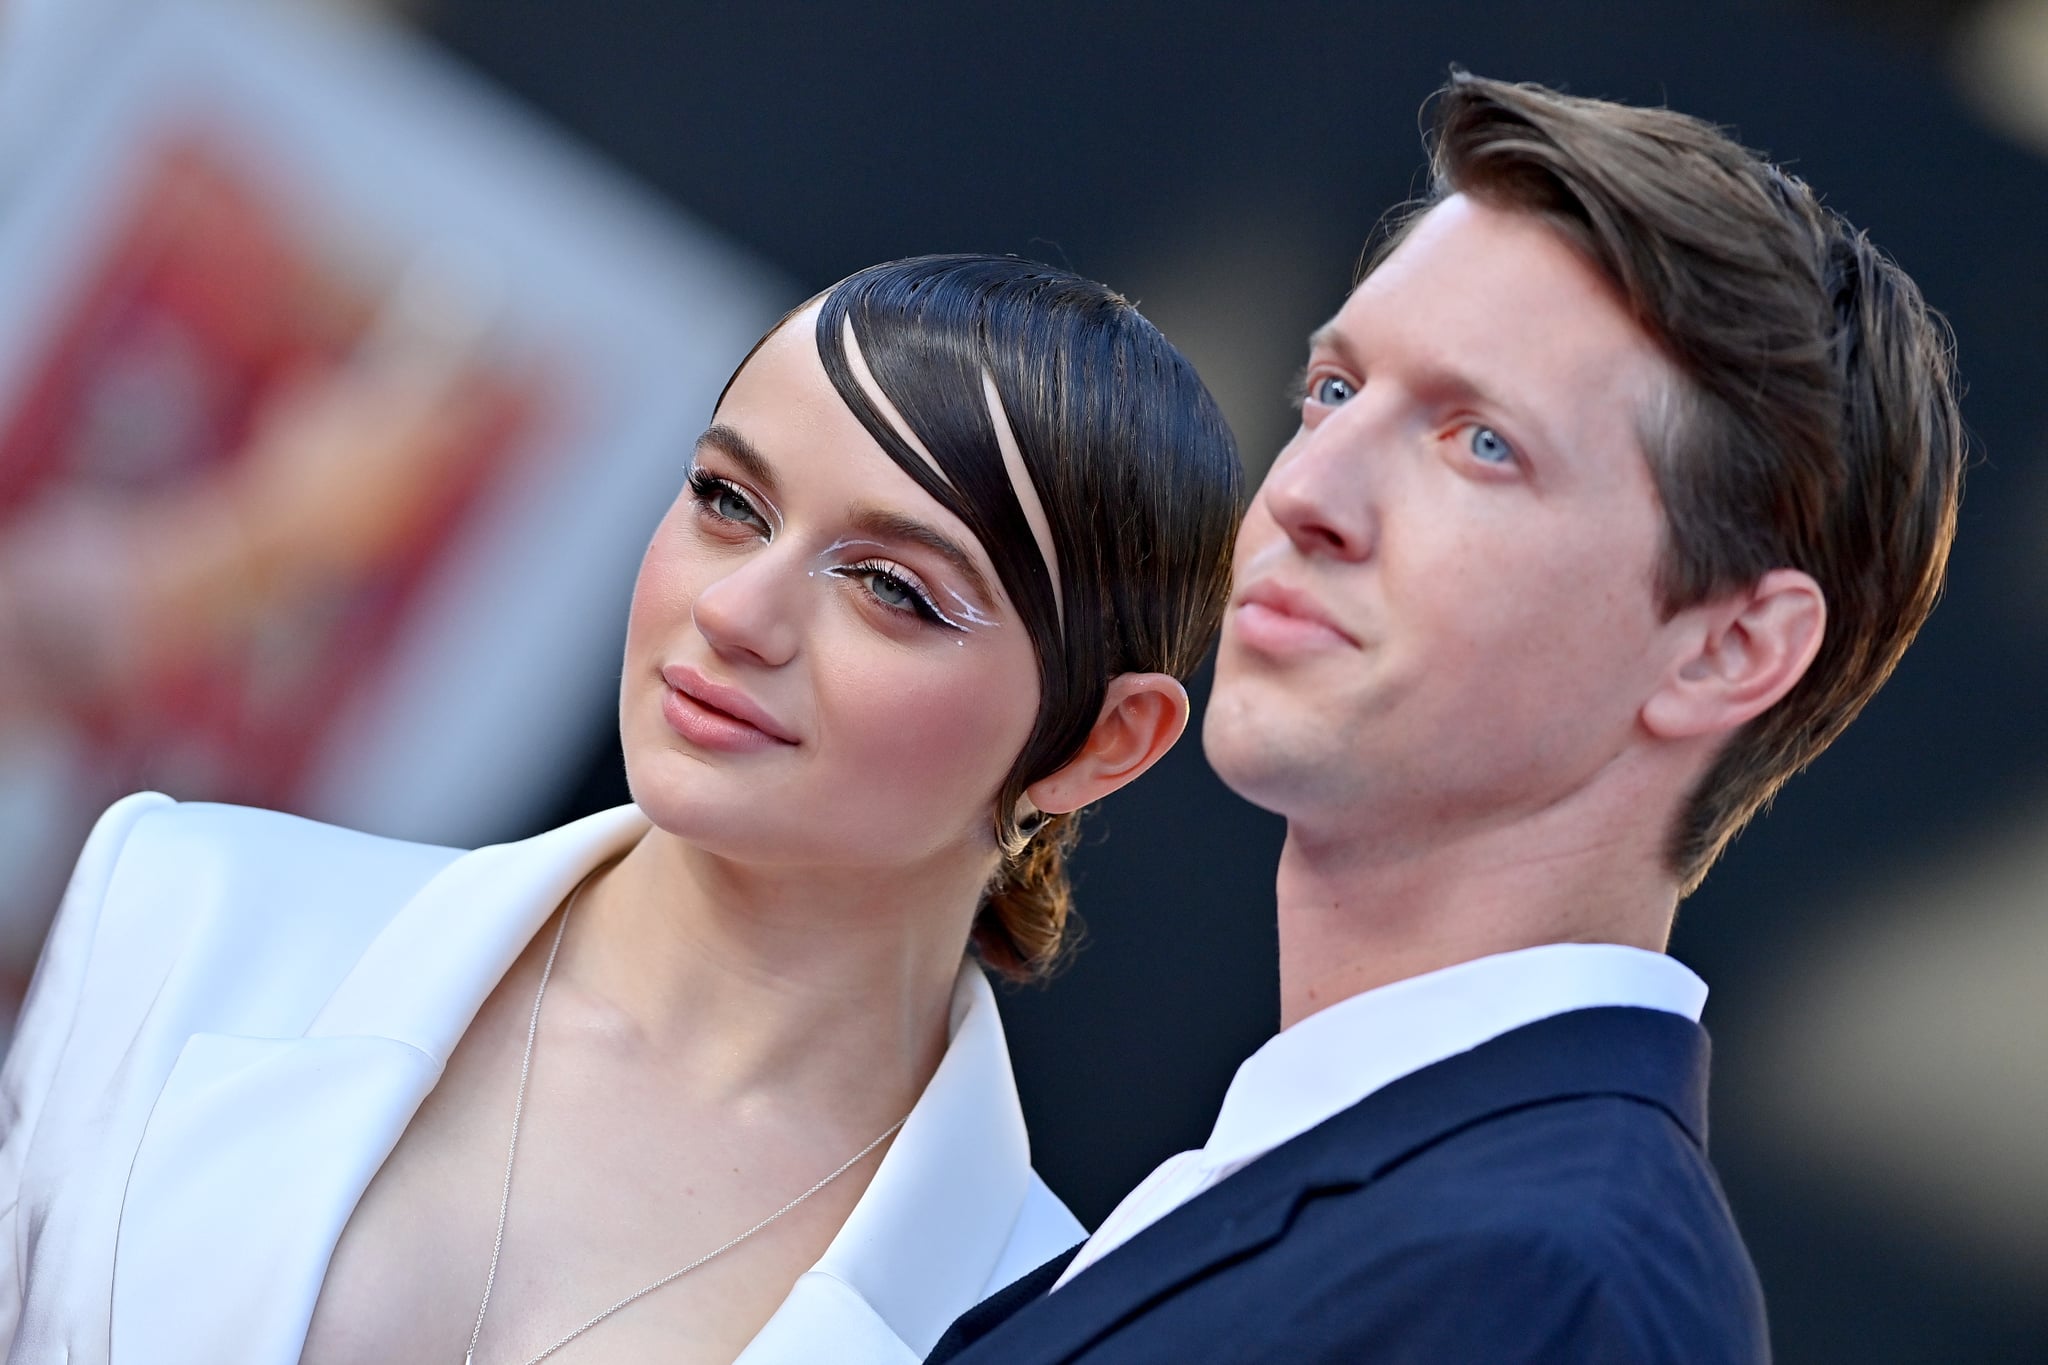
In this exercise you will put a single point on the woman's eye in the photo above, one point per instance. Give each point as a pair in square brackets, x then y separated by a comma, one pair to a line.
[896, 592]
[1490, 447]
[892, 591]
[1329, 390]
[726, 502]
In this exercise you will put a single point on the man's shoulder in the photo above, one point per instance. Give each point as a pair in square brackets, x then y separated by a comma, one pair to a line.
[1578, 1221]
[1545, 1196]
[1607, 1176]
[1580, 1158]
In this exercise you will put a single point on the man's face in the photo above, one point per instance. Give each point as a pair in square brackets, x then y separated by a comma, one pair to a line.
[1444, 615]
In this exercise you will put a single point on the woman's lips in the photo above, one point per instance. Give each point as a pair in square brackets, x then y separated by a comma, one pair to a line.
[716, 716]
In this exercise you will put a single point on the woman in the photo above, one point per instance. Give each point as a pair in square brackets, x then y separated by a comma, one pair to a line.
[704, 1077]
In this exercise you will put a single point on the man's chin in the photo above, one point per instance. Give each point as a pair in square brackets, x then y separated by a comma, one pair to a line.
[1255, 758]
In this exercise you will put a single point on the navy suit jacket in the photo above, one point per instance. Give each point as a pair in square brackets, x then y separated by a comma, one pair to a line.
[1543, 1197]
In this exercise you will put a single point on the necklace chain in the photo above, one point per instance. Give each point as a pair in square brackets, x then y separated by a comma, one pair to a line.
[512, 1151]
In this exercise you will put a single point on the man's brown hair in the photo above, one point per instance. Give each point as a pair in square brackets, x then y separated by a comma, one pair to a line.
[1816, 424]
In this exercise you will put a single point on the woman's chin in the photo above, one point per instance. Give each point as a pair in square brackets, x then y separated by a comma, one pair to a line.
[734, 826]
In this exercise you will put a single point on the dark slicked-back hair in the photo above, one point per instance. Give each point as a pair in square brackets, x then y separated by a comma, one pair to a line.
[1135, 467]
[1815, 426]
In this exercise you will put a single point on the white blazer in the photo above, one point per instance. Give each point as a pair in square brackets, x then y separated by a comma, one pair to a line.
[237, 1014]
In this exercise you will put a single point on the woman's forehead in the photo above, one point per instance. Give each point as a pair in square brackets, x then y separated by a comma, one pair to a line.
[784, 405]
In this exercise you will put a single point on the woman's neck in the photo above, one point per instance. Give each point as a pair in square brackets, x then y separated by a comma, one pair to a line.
[821, 987]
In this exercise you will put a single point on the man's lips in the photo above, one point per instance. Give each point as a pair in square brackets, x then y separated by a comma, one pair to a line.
[720, 711]
[1273, 616]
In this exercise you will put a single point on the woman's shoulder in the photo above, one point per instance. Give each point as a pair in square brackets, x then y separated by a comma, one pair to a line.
[169, 853]
[150, 825]
[163, 882]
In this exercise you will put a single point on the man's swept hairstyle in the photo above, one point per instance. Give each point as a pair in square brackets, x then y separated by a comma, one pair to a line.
[1815, 424]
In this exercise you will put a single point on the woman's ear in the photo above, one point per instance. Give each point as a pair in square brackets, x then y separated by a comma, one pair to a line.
[1744, 652]
[1141, 718]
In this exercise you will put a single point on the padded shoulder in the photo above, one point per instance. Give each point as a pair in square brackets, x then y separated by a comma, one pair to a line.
[243, 920]
[1595, 1224]
[244, 862]
[271, 843]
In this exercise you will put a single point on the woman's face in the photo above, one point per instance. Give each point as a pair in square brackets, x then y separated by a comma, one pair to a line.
[821, 667]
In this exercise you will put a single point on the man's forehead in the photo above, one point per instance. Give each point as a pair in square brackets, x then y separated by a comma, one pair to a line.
[1500, 307]
[1494, 282]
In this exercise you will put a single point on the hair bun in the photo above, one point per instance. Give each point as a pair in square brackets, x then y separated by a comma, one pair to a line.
[1021, 932]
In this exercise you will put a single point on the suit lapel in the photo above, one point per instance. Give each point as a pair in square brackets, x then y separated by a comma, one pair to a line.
[999, 1307]
[1642, 1054]
[257, 1149]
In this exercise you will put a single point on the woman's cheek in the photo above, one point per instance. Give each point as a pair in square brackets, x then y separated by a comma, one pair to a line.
[672, 574]
[948, 732]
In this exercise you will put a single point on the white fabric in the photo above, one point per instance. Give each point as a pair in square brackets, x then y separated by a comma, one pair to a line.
[1336, 1057]
[233, 1022]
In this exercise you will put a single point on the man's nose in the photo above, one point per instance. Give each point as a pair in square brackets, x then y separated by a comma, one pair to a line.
[1322, 491]
[752, 612]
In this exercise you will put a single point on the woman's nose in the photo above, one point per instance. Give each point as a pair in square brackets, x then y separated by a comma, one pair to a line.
[752, 612]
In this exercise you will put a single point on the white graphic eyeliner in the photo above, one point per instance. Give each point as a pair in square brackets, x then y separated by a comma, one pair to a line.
[970, 617]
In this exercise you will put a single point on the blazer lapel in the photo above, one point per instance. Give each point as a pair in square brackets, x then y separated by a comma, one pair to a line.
[1648, 1055]
[257, 1149]
[932, 1224]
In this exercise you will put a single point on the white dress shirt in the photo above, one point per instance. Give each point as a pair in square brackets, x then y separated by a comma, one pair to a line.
[1336, 1057]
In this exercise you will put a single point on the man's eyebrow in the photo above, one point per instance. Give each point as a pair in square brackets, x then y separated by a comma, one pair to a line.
[885, 525]
[1444, 381]
[1440, 379]
[1330, 337]
[741, 452]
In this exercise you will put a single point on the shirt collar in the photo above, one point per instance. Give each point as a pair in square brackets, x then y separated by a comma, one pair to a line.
[1336, 1057]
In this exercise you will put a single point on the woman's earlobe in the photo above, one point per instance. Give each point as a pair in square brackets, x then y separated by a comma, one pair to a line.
[1142, 716]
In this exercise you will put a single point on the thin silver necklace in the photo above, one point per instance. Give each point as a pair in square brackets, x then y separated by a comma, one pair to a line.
[512, 1151]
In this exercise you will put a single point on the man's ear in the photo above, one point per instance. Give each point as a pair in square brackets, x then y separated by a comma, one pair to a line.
[1743, 653]
[1141, 718]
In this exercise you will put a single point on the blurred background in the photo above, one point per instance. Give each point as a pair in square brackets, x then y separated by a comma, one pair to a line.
[348, 353]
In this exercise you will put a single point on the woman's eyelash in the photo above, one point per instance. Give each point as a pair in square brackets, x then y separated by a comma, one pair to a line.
[920, 604]
[708, 489]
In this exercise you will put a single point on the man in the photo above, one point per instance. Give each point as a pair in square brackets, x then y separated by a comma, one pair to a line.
[1623, 479]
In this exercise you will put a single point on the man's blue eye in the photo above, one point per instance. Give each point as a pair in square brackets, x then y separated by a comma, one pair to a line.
[1488, 447]
[1330, 390]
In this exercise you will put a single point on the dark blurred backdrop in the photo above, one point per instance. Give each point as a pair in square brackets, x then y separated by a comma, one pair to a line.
[1876, 946]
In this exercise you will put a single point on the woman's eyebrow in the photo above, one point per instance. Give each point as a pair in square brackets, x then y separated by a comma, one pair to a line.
[741, 452]
[886, 525]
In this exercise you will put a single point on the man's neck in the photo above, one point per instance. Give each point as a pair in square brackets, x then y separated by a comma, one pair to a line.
[1353, 917]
